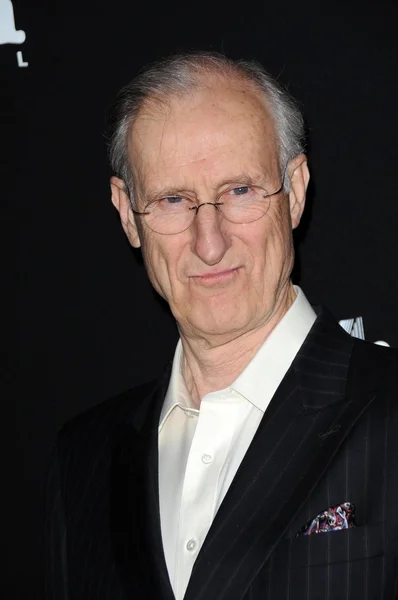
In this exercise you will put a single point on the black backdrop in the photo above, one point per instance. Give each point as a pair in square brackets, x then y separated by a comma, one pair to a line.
[87, 322]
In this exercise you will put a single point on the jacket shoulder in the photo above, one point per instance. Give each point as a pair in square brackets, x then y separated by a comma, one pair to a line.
[376, 354]
[376, 364]
[127, 407]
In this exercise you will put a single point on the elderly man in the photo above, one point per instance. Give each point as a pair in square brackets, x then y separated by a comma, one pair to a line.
[261, 465]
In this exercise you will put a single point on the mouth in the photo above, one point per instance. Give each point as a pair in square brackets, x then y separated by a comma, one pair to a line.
[215, 277]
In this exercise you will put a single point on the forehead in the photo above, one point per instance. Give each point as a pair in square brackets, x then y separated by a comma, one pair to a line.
[214, 132]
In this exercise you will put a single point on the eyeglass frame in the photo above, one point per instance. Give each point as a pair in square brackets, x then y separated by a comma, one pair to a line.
[215, 204]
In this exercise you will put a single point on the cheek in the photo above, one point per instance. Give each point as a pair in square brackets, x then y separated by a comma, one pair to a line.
[272, 244]
[280, 228]
[161, 257]
[153, 261]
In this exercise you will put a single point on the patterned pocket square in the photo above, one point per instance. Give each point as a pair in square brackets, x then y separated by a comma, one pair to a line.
[336, 518]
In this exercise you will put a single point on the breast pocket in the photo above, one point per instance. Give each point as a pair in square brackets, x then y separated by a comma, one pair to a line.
[332, 547]
[339, 564]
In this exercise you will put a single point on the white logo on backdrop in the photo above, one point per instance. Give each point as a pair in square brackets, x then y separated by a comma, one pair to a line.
[355, 328]
[9, 34]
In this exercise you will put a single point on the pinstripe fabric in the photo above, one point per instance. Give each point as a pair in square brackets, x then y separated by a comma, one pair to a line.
[329, 435]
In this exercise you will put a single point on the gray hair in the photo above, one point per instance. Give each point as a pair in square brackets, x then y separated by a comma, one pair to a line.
[181, 73]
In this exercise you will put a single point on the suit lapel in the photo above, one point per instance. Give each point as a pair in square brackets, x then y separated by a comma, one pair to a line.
[302, 429]
[136, 505]
[153, 529]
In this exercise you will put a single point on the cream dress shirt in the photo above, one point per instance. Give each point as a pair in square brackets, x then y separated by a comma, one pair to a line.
[200, 450]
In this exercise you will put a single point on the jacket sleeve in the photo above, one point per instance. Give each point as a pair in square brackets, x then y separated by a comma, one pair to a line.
[56, 567]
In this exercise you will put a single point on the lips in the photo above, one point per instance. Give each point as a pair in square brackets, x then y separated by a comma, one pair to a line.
[215, 276]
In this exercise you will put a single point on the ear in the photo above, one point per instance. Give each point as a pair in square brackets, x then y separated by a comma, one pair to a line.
[121, 202]
[299, 176]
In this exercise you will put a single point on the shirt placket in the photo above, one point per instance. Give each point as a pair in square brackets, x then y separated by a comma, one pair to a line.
[200, 491]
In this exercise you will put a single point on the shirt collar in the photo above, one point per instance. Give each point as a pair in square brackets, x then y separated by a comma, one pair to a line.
[177, 393]
[260, 379]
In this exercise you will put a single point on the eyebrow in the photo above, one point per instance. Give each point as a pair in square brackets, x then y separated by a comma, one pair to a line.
[242, 178]
[155, 194]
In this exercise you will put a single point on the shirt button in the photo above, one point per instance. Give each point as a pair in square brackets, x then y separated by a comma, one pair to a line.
[191, 545]
[207, 459]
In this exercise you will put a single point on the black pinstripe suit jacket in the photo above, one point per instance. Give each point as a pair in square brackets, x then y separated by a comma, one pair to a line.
[329, 435]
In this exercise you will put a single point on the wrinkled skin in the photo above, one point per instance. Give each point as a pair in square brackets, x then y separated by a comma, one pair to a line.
[226, 283]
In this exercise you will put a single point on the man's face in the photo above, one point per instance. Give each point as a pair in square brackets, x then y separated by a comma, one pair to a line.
[219, 278]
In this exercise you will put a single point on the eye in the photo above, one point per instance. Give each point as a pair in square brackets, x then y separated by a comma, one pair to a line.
[240, 191]
[173, 199]
[172, 204]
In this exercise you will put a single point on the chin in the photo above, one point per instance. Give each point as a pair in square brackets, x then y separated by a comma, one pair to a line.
[224, 321]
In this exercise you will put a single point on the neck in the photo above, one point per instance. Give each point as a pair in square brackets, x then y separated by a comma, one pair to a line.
[210, 364]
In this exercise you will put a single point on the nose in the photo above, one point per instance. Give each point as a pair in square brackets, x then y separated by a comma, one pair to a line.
[210, 240]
